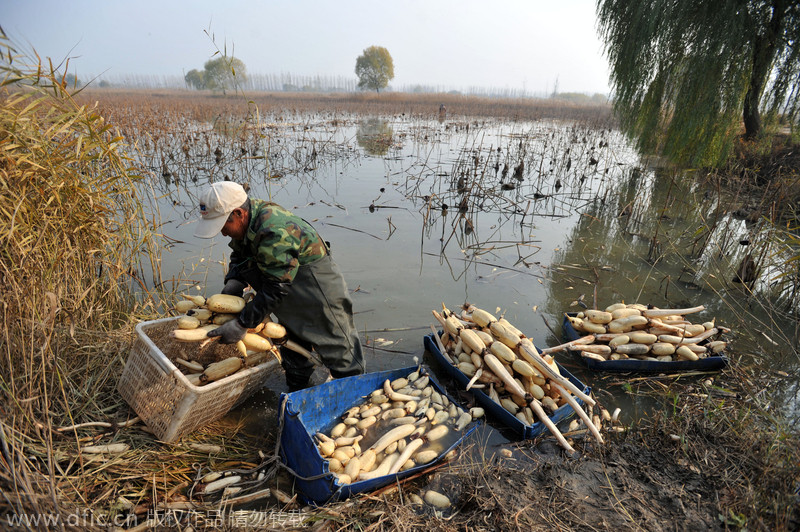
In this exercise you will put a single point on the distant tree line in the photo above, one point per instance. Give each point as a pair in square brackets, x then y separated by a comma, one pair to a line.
[374, 69]
[289, 82]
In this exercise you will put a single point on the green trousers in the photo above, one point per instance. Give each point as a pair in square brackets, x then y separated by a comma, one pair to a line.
[318, 313]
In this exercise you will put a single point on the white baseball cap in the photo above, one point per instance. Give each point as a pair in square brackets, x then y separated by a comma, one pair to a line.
[216, 204]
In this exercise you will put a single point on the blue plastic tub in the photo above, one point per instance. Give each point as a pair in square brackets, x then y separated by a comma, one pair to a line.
[496, 411]
[318, 409]
[710, 363]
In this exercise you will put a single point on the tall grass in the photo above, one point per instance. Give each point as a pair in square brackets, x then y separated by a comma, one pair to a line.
[72, 229]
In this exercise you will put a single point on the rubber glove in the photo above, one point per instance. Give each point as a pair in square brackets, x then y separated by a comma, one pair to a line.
[267, 298]
[230, 332]
[234, 287]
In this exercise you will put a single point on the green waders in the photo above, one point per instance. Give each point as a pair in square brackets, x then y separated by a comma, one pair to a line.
[318, 313]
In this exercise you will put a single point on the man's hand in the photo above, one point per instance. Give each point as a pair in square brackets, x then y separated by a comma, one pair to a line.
[230, 332]
[234, 287]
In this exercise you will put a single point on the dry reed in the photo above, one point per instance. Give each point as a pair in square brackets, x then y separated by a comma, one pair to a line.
[72, 231]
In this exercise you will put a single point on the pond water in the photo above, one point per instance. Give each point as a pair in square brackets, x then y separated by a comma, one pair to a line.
[525, 219]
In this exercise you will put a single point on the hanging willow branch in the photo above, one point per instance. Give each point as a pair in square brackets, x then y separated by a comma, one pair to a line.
[688, 75]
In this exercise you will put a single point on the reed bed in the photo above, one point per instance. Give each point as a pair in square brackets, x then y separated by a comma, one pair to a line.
[205, 107]
[72, 231]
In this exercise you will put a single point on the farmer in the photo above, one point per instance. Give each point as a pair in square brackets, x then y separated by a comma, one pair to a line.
[283, 258]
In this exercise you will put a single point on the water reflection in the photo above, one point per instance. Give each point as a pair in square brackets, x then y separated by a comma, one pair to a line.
[374, 135]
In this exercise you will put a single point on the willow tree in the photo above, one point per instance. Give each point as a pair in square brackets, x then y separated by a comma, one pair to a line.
[374, 68]
[688, 76]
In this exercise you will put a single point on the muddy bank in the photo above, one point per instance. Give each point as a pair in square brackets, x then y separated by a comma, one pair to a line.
[626, 486]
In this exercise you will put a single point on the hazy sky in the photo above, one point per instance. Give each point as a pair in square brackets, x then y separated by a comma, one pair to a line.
[519, 44]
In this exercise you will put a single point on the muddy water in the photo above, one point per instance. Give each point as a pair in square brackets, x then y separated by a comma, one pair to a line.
[529, 220]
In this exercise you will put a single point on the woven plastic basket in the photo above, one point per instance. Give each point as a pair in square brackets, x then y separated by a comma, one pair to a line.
[161, 395]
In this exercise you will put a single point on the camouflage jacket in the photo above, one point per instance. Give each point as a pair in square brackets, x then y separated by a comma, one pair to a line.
[277, 242]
